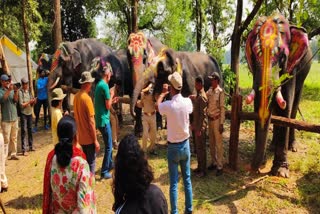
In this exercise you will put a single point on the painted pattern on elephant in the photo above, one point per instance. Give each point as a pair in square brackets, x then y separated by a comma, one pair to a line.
[279, 58]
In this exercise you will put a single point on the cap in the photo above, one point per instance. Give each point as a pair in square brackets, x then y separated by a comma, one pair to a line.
[176, 80]
[24, 80]
[199, 79]
[4, 77]
[57, 94]
[214, 76]
[86, 77]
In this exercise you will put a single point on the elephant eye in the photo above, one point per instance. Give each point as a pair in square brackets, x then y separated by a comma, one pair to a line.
[144, 57]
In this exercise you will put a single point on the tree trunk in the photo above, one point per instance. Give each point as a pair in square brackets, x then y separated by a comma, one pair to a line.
[235, 61]
[26, 41]
[134, 14]
[198, 24]
[57, 24]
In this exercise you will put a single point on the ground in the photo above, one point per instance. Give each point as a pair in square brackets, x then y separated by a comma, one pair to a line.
[225, 194]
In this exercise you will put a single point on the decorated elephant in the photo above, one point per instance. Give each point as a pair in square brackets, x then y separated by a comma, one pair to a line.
[192, 64]
[141, 51]
[72, 58]
[279, 58]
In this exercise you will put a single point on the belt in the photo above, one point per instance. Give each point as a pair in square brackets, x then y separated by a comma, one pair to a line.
[177, 143]
[149, 114]
[214, 117]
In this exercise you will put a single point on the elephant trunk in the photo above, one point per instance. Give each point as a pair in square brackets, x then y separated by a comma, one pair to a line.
[137, 90]
[281, 102]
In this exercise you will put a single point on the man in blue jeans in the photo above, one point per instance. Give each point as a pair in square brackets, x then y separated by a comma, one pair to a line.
[177, 111]
[102, 104]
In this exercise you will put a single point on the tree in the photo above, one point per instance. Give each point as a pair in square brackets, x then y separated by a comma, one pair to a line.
[57, 24]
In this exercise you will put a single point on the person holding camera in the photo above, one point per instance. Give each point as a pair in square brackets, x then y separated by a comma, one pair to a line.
[9, 124]
[26, 103]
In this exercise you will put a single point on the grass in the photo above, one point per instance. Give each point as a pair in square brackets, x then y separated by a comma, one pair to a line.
[298, 194]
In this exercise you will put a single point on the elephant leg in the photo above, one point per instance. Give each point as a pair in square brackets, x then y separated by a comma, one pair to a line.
[261, 142]
[138, 125]
[295, 106]
[281, 134]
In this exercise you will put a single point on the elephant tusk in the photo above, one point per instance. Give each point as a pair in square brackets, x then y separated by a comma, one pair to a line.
[55, 83]
[250, 97]
[281, 102]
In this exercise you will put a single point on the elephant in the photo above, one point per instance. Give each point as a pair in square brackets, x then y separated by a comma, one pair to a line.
[140, 53]
[192, 64]
[279, 58]
[72, 58]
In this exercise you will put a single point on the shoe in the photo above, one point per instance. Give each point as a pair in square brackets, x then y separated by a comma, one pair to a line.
[25, 153]
[46, 127]
[219, 172]
[106, 176]
[14, 158]
[34, 130]
[32, 150]
[201, 174]
[212, 167]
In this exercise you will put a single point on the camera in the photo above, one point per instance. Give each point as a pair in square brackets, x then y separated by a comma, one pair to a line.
[17, 85]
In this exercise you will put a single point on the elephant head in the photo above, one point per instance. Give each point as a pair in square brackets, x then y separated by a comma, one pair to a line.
[274, 51]
[65, 63]
[157, 72]
[44, 63]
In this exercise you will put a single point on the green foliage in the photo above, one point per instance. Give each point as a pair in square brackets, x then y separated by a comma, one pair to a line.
[305, 13]
[229, 79]
[76, 24]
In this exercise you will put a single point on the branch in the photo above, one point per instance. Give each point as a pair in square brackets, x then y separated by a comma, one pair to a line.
[313, 33]
[250, 17]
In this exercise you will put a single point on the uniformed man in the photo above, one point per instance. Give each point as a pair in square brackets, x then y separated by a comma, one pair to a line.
[216, 117]
[114, 111]
[199, 125]
[147, 103]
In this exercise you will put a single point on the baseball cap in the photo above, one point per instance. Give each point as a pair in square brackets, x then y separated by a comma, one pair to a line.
[24, 80]
[57, 94]
[4, 77]
[86, 77]
[176, 80]
[214, 76]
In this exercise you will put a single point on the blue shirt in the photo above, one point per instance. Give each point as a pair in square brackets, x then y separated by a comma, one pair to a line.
[101, 94]
[42, 90]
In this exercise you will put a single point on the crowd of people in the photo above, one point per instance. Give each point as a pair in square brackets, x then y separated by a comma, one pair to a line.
[69, 175]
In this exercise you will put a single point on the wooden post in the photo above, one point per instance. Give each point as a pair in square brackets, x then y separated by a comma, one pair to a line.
[234, 131]
[3, 61]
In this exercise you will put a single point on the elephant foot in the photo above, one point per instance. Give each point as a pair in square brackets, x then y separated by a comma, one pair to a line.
[281, 170]
[293, 146]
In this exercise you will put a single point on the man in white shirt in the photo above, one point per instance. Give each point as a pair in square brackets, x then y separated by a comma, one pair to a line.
[177, 112]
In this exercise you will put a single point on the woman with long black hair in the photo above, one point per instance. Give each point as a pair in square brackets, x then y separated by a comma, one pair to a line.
[68, 183]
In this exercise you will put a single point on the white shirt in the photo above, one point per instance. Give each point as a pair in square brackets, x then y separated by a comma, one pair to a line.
[177, 111]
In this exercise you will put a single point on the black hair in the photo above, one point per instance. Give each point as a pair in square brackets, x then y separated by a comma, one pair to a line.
[133, 174]
[66, 131]
[55, 103]
[199, 79]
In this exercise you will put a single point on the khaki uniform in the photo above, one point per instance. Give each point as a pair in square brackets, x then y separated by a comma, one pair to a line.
[114, 121]
[216, 117]
[147, 103]
[199, 123]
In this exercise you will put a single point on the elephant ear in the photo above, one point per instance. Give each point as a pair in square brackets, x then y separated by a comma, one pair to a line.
[298, 47]
[249, 52]
[76, 58]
